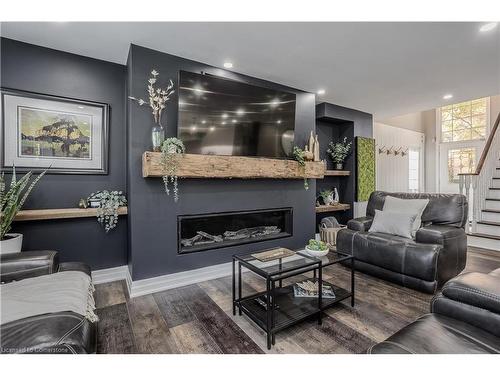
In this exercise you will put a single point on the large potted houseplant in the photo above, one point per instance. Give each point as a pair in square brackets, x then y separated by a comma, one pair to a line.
[338, 152]
[11, 201]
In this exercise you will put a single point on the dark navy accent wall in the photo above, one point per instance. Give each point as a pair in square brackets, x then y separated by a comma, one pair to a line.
[153, 214]
[37, 69]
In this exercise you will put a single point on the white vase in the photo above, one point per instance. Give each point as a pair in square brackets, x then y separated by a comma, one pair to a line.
[12, 243]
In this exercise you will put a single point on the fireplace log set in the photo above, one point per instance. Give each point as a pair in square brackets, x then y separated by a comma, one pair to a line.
[203, 238]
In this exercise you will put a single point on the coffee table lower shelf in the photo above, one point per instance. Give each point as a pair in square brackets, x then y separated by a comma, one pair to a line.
[290, 309]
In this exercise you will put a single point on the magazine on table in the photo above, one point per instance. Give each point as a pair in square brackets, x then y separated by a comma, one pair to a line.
[299, 291]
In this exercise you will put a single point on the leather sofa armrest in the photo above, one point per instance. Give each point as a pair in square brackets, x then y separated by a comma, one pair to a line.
[360, 224]
[74, 266]
[475, 289]
[18, 266]
[438, 234]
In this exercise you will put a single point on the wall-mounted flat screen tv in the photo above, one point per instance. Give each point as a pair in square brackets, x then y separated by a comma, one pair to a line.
[219, 116]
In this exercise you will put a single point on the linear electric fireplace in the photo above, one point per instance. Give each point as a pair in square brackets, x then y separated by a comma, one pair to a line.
[211, 231]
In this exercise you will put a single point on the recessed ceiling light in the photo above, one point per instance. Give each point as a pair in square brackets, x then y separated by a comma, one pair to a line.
[278, 122]
[233, 121]
[488, 27]
[81, 107]
[203, 121]
[447, 96]
[274, 103]
[321, 91]
[212, 128]
[228, 65]
[240, 112]
[223, 123]
[193, 128]
[224, 115]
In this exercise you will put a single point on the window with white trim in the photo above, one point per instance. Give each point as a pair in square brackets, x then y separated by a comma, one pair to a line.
[464, 121]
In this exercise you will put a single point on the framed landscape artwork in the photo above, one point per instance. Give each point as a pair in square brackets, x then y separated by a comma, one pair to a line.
[41, 131]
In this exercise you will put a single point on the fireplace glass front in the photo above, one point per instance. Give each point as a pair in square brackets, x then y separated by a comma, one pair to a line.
[210, 231]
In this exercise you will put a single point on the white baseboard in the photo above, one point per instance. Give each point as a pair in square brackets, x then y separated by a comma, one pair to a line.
[175, 280]
[110, 274]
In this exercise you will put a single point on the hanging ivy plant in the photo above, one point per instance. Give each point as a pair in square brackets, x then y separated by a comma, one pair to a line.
[299, 155]
[169, 149]
[107, 212]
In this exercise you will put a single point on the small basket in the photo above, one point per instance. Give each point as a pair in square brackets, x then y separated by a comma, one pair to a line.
[329, 235]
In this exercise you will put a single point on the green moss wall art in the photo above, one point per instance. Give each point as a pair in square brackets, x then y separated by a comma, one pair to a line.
[365, 168]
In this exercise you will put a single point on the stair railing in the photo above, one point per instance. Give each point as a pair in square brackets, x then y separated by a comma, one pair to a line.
[475, 185]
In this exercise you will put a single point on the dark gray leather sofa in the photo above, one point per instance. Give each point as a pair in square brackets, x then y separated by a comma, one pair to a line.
[465, 318]
[64, 332]
[437, 254]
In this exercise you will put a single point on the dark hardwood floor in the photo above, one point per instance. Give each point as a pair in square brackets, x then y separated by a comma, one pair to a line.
[198, 318]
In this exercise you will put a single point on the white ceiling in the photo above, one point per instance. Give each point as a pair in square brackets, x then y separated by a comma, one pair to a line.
[383, 68]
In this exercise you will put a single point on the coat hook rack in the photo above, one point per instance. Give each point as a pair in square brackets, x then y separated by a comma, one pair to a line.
[405, 152]
[398, 151]
[390, 151]
[381, 150]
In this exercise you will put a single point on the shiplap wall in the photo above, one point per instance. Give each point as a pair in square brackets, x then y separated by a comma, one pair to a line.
[392, 171]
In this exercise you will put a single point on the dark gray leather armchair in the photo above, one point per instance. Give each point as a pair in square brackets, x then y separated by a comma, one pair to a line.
[64, 332]
[438, 253]
[465, 318]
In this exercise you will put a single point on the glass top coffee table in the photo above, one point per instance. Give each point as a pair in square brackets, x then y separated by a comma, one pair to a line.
[277, 307]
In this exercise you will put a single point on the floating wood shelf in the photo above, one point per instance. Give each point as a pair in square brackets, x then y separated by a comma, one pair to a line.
[337, 173]
[60, 213]
[219, 166]
[338, 207]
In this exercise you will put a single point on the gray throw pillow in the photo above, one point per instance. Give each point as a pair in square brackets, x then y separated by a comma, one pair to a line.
[396, 223]
[410, 206]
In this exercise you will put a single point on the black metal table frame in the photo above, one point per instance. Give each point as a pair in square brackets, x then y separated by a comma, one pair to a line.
[279, 276]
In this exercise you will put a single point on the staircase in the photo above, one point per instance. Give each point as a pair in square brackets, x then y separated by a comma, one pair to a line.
[482, 189]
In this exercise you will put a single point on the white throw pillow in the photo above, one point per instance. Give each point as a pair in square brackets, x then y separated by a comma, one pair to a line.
[396, 223]
[410, 206]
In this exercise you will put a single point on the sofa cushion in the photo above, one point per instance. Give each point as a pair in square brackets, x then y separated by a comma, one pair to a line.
[438, 334]
[395, 223]
[412, 207]
[397, 254]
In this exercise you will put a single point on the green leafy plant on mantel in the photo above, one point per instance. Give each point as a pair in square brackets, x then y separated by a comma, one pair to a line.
[170, 148]
[107, 212]
[299, 156]
[12, 200]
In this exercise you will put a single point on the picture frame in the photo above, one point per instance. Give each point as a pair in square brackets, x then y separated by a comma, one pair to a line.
[40, 131]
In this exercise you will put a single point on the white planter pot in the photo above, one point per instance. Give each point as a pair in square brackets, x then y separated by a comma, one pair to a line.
[12, 243]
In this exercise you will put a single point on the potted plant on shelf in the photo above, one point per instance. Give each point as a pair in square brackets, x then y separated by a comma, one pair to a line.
[11, 202]
[170, 150]
[158, 98]
[338, 152]
[107, 207]
[327, 196]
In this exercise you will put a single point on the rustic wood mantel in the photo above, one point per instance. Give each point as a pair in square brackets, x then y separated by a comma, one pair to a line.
[219, 166]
